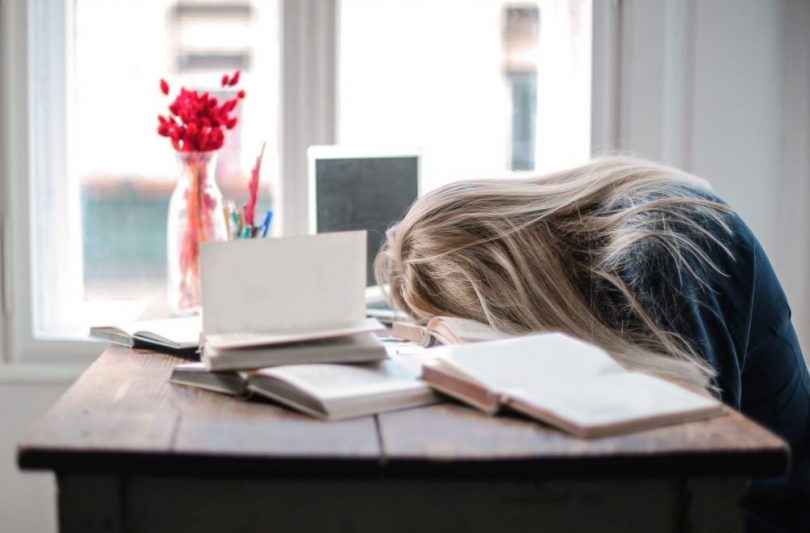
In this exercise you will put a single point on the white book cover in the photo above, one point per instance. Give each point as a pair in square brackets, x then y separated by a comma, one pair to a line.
[292, 284]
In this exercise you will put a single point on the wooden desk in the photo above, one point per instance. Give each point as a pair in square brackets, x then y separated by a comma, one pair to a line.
[134, 453]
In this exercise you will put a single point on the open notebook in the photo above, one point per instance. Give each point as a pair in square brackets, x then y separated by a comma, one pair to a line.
[564, 382]
[329, 391]
[446, 330]
[286, 300]
[178, 336]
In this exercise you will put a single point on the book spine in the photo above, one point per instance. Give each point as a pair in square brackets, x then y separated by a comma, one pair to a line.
[410, 332]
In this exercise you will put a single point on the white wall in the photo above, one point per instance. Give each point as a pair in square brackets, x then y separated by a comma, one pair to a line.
[722, 88]
[28, 501]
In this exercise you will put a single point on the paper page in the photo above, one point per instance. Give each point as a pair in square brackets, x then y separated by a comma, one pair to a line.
[614, 399]
[507, 364]
[283, 284]
[337, 381]
[244, 340]
[452, 330]
[184, 330]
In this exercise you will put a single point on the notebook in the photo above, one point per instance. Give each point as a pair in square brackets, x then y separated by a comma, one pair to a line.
[333, 348]
[196, 375]
[328, 391]
[177, 336]
[286, 300]
[564, 382]
[446, 330]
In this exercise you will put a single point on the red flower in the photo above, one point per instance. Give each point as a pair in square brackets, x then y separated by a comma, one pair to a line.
[234, 78]
[253, 190]
[196, 121]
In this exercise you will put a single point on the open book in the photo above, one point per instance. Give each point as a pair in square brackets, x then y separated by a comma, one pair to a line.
[329, 391]
[177, 336]
[563, 382]
[446, 330]
[286, 300]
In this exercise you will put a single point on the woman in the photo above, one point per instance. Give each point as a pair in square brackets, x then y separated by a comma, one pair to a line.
[640, 259]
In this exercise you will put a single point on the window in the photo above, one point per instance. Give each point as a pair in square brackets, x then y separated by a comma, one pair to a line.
[110, 258]
[483, 87]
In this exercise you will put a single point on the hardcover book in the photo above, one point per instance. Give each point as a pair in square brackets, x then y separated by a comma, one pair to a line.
[286, 300]
[564, 382]
[328, 391]
[446, 330]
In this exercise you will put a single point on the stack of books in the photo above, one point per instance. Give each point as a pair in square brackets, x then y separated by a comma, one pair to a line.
[285, 319]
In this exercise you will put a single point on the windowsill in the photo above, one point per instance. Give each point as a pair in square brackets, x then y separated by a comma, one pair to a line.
[84, 315]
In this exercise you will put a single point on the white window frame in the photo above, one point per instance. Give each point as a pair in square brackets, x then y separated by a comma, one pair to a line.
[30, 31]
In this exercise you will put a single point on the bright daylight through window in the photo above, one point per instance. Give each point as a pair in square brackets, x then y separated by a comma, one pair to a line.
[482, 88]
[119, 171]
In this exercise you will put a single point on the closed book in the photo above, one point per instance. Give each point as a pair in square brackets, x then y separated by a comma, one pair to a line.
[360, 347]
[564, 382]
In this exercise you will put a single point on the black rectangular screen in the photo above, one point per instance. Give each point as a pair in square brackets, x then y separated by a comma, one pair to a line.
[364, 194]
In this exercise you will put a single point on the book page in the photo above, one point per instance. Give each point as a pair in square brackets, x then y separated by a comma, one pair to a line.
[283, 284]
[244, 340]
[512, 364]
[452, 330]
[614, 399]
[337, 381]
[182, 331]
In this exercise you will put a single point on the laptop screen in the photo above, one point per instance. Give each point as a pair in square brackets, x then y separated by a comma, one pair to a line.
[364, 193]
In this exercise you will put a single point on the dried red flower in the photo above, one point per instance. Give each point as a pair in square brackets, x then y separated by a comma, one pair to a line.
[234, 78]
[196, 120]
[253, 191]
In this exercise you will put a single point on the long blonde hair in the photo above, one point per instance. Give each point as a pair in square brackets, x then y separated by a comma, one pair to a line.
[549, 254]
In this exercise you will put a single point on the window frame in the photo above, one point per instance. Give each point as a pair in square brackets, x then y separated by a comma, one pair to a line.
[309, 37]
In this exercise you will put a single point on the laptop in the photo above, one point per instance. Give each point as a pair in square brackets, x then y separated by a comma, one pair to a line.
[360, 189]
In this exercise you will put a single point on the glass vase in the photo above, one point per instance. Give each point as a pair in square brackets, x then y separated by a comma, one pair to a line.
[195, 216]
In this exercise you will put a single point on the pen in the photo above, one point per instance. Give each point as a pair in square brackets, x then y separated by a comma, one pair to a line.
[235, 224]
[268, 217]
[227, 223]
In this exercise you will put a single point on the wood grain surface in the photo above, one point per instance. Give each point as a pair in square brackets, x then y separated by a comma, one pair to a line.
[123, 414]
[453, 437]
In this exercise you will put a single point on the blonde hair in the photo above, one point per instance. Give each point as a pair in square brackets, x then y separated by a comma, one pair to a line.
[549, 253]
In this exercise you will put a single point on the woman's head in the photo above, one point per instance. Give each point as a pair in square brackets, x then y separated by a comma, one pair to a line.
[547, 253]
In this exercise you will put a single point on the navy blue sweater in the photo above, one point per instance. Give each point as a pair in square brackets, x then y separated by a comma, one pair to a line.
[740, 321]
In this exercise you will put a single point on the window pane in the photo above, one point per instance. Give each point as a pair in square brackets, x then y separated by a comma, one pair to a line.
[124, 172]
[484, 87]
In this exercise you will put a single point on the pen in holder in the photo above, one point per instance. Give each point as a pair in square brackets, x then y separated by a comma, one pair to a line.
[242, 224]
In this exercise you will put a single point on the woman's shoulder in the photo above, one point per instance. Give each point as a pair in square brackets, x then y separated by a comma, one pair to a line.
[721, 271]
